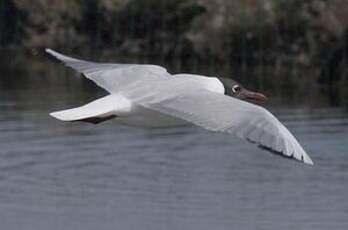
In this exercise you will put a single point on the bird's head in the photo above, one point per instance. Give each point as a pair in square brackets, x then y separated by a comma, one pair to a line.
[235, 89]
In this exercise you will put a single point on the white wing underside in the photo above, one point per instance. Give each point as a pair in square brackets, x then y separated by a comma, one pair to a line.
[152, 87]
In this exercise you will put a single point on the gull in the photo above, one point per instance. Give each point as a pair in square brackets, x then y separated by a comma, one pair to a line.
[148, 96]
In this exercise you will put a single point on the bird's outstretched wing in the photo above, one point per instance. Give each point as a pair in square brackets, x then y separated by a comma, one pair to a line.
[113, 77]
[149, 86]
[217, 112]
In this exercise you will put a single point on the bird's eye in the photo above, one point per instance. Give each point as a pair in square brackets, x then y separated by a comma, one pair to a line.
[236, 88]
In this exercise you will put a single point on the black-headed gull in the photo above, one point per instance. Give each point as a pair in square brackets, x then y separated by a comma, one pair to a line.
[147, 95]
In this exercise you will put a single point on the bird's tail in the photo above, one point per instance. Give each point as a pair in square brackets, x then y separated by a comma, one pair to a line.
[95, 112]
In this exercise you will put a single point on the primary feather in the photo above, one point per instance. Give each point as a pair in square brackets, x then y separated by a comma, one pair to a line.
[112, 77]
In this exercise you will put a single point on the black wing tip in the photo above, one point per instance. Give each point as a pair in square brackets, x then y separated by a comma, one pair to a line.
[279, 153]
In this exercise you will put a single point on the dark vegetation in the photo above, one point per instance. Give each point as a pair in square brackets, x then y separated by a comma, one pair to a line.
[249, 33]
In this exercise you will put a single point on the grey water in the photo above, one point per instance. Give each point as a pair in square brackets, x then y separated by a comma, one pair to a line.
[64, 176]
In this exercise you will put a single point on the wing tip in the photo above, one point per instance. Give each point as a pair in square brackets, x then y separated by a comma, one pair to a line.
[58, 116]
[54, 54]
[61, 57]
[50, 51]
[304, 158]
[307, 160]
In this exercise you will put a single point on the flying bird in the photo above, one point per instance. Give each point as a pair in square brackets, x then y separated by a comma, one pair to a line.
[147, 95]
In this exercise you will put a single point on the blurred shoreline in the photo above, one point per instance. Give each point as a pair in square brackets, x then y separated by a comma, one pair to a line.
[291, 85]
[277, 45]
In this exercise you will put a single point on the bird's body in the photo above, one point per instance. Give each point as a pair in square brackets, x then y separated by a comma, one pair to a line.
[133, 114]
[124, 112]
[140, 116]
[148, 96]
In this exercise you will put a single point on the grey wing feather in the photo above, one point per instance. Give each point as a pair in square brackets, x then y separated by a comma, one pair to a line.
[86, 67]
[112, 77]
[221, 113]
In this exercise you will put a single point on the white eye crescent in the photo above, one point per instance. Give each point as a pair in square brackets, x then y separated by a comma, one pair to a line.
[236, 88]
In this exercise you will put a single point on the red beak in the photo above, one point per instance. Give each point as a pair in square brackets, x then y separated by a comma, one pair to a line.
[253, 96]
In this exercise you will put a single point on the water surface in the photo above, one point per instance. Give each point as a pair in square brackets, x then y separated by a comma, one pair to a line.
[55, 175]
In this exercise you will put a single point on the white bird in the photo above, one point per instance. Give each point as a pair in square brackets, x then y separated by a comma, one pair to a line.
[147, 95]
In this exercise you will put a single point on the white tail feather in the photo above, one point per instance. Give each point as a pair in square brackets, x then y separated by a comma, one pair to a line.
[111, 105]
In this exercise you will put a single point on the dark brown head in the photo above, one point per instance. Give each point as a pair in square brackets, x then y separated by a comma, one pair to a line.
[235, 89]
